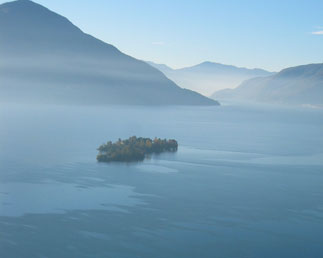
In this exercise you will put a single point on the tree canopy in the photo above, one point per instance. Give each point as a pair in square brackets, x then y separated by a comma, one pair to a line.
[134, 149]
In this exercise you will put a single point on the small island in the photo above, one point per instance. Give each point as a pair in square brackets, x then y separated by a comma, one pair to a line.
[134, 149]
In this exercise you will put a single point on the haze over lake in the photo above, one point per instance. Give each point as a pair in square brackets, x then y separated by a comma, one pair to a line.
[245, 182]
[161, 129]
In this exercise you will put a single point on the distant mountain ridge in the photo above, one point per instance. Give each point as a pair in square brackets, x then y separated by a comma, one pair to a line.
[44, 57]
[208, 77]
[295, 85]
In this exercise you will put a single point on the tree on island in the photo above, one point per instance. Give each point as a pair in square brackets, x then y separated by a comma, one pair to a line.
[134, 149]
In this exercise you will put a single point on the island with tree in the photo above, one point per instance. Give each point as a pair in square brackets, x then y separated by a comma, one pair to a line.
[134, 149]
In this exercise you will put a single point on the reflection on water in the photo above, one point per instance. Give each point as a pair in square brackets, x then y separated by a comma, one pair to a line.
[245, 182]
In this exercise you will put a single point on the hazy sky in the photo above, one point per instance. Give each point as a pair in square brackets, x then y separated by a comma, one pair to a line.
[253, 33]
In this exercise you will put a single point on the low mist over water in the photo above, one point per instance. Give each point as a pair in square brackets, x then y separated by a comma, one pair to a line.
[161, 129]
[256, 171]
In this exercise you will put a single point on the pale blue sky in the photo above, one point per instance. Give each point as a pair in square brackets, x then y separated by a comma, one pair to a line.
[267, 34]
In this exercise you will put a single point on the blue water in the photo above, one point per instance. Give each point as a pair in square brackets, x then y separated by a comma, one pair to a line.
[246, 182]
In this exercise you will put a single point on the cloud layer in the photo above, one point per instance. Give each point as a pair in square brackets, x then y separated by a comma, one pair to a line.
[320, 32]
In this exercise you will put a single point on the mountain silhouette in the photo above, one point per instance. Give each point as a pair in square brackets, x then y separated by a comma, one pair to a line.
[208, 77]
[47, 59]
[295, 85]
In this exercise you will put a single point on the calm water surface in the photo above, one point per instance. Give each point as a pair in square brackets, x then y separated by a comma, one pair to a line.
[247, 182]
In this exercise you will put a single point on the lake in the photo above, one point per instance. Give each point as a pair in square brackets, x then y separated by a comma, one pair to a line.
[246, 182]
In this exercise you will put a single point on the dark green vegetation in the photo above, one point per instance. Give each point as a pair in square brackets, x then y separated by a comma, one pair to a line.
[134, 149]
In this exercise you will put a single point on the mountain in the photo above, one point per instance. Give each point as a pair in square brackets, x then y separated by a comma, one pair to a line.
[45, 58]
[296, 85]
[161, 67]
[208, 77]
